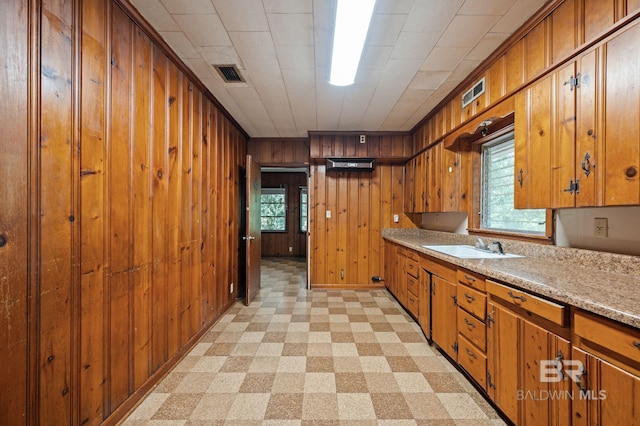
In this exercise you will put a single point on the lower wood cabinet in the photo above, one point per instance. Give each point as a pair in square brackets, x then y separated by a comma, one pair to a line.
[444, 330]
[522, 351]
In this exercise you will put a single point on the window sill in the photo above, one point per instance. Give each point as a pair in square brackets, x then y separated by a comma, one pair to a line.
[531, 238]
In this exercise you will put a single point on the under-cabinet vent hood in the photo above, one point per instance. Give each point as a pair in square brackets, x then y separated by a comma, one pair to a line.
[350, 164]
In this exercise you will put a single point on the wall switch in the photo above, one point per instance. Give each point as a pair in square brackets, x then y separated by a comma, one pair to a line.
[396, 218]
[290, 249]
[328, 214]
[601, 227]
[231, 288]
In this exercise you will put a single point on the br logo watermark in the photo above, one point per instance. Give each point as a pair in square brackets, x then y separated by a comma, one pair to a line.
[556, 371]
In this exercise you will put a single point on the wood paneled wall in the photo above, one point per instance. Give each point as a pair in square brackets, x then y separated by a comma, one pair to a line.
[278, 243]
[119, 229]
[388, 146]
[347, 248]
[559, 31]
[288, 152]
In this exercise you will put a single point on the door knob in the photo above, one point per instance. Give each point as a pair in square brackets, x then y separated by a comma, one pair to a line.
[249, 237]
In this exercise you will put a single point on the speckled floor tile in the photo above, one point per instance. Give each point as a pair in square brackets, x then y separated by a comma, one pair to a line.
[313, 358]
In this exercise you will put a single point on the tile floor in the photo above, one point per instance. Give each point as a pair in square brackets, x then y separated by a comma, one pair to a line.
[321, 357]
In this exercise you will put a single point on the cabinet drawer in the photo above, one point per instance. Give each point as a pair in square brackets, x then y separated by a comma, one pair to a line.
[411, 254]
[443, 271]
[412, 304]
[472, 301]
[472, 360]
[471, 279]
[473, 329]
[546, 309]
[411, 267]
[617, 338]
[413, 285]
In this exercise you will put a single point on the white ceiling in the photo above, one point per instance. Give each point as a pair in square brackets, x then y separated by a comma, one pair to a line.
[416, 52]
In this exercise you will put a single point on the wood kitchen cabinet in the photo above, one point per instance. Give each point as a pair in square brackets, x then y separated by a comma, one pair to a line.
[526, 335]
[444, 330]
[564, 154]
[606, 383]
[391, 267]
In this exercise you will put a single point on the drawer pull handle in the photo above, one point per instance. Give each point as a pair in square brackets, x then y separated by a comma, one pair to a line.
[468, 278]
[513, 296]
[469, 297]
[469, 323]
[636, 344]
[471, 354]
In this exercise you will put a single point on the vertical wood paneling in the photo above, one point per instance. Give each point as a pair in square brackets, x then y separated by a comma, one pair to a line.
[514, 67]
[141, 237]
[564, 29]
[536, 50]
[14, 218]
[57, 215]
[598, 16]
[92, 219]
[120, 244]
[159, 206]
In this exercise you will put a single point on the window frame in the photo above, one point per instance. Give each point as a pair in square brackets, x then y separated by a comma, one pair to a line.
[474, 181]
[283, 189]
[303, 190]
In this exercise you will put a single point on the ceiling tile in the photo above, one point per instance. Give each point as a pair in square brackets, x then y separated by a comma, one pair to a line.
[296, 57]
[428, 79]
[463, 70]
[486, 46]
[253, 45]
[204, 30]
[431, 15]
[263, 68]
[200, 67]
[444, 58]
[180, 44]
[393, 6]
[485, 7]
[242, 15]
[291, 29]
[220, 55]
[384, 30]
[187, 7]
[288, 6]
[465, 31]
[156, 14]
[517, 15]
[414, 45]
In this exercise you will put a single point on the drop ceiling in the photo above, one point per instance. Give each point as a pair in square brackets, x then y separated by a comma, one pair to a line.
[416, 53]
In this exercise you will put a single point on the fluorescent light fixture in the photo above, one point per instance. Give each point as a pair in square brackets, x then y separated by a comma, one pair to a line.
[352, 24]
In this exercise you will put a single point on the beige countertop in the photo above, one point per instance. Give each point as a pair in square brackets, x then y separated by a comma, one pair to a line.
[602, 283]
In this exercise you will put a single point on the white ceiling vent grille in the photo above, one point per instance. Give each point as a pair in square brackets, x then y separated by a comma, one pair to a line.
[473, 93]
[229, 73]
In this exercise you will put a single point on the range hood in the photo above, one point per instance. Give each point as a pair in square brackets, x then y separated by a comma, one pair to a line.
[350, 164]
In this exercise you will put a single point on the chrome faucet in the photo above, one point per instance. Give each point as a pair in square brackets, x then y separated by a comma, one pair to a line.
[498, 246]
[481, 244]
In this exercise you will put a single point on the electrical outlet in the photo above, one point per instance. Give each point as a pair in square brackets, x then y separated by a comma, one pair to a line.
[231, 288]
[363, 138]
[290, 249]
[601, 227]
[396, 218]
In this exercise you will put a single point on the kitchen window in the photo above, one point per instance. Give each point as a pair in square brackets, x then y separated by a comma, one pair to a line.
[273, 209]
[497, 211]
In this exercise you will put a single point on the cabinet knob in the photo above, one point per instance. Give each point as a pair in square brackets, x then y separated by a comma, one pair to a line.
[3, 241]
[590, 132]
[631, 172]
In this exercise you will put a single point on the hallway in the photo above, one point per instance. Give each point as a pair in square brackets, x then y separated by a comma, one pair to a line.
[299, 357]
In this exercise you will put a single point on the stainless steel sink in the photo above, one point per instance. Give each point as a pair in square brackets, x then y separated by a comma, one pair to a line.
[468, 252]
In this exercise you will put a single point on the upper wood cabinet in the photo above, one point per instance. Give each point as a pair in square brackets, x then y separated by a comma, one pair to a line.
[577, 131]
[621, 106]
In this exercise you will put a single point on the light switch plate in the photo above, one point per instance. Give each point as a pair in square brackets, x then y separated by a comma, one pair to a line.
[328, 214]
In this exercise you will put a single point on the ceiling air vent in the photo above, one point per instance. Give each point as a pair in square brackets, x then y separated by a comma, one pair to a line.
[229, 73]
[473, 93]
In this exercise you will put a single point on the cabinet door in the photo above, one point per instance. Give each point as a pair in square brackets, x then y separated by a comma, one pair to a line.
[444, 329]
[451, 192]
[434, 178]
[589, 128]
[604, 394]
[502, 359]
[424, 301]
[391, 267]
[545, 401]
[409, 185]
[401, 291]
[622, 112]
[545, 142]
[420, 183]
